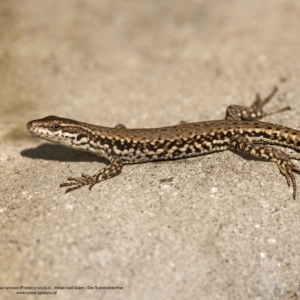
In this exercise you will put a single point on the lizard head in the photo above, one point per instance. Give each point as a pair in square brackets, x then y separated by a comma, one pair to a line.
[63, 131]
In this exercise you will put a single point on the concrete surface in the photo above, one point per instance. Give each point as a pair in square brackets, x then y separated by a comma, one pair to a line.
[221, 226]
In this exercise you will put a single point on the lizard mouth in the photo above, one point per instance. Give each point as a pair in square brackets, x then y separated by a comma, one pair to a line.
[33, 128]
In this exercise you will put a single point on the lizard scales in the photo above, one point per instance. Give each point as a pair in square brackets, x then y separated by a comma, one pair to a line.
[122, 146]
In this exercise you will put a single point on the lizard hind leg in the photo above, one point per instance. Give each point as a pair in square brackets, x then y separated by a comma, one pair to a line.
[286, 168]
[255, 111]
[259, 103]
[283, 160]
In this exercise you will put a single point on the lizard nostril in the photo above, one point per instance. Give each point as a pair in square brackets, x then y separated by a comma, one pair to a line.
[29, 126]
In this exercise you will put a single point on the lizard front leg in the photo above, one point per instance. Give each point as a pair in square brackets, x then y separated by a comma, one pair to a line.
[113, 169]
[282, 159]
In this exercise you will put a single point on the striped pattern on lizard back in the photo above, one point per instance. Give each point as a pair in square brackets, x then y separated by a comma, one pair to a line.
[173, 142]
[240, 131]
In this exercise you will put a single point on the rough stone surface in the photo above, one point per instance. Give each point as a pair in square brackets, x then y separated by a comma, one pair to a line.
[221, 226]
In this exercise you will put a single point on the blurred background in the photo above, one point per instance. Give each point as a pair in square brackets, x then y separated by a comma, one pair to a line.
[219, 227]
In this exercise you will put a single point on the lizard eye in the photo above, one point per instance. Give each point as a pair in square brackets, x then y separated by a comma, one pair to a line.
[55, 127]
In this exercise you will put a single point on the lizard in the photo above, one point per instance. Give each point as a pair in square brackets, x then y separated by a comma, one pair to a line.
[241, 130]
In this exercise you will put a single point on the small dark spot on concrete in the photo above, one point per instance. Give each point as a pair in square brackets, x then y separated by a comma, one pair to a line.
[166, 180]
